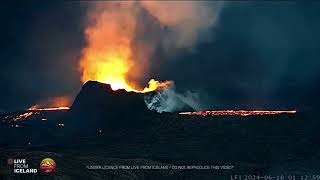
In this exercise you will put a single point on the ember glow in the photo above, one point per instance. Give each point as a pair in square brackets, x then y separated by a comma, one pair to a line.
[237, 113]
[22, 116]
[108, 57]
[49, 109]
[52, 104]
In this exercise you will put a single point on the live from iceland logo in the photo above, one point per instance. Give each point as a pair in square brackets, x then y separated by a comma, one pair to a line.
[21, 166]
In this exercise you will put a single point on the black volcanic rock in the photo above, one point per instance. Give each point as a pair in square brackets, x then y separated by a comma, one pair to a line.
[98, 105]
[99, 96]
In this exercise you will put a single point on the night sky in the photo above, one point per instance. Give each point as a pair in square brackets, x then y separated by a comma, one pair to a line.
[260, 55]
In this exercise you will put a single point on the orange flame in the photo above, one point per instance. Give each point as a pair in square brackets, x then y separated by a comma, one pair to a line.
[108, 57]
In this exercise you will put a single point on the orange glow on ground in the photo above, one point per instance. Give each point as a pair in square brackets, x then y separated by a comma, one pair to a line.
[237, 113]
[22, 116]
[55, 103]
[48, 109]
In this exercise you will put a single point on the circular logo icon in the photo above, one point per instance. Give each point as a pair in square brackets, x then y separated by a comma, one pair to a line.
[10, 161]
[47, 165]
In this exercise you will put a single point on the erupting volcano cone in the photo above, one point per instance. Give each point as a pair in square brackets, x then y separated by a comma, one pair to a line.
[97, 104]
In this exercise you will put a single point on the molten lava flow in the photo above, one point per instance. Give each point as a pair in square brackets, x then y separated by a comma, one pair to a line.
[22, 116]
[49, 109]
[109, 55]
[237, 113]
[56, 103]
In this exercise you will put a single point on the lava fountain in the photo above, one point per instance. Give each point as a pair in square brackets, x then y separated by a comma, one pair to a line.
[108, 56]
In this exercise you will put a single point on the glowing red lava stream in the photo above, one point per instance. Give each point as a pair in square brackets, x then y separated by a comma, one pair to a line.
[49, 109]
[237, 113]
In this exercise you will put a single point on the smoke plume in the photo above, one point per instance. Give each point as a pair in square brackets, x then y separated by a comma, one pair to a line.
[122, 37]
[117, 53]
[184, 20]
[169, 100]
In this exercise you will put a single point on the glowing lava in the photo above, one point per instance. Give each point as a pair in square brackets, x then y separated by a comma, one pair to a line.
[48, 109]
[237, 113]
[109, 55]
[52, 104]
[22, 116]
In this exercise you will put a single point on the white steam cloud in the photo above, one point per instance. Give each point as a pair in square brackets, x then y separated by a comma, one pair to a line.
[186, 23]
[168, 100]
[186, 20]
[132, 31]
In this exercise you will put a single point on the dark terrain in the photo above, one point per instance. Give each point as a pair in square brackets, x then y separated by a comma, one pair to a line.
[105, 127]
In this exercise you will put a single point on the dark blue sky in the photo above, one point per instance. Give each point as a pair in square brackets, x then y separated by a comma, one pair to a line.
[262, 55]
